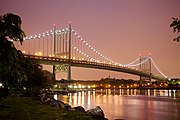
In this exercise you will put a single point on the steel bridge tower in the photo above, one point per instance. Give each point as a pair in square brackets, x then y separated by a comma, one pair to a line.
[146, 67]
[62, 67]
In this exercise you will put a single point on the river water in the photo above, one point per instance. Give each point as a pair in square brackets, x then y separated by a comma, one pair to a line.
[129, 104]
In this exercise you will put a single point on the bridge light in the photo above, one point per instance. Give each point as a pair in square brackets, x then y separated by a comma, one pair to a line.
[79, 86]
[70, 86]
[23, 51]
[40, 53]
[74, 58]
[36, 53]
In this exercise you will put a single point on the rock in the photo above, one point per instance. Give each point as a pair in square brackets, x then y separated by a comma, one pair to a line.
[79, 109]
[97, 113]
[47, 101]
[43, 97]
[67, 106]
[61, 104]
[55, 104]
[72, 109]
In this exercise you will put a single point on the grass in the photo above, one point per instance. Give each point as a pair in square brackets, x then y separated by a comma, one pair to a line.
[24, 108]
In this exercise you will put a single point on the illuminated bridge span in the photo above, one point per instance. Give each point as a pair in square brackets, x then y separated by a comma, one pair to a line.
[64, 48]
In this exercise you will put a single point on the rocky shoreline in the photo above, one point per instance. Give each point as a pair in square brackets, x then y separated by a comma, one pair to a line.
[48, 98]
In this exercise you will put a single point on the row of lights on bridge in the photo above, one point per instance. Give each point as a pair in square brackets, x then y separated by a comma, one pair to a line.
[65, 30]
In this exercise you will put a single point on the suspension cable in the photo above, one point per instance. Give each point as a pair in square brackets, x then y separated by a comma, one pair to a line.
[158, 68]
[132, 62]
[140, 62]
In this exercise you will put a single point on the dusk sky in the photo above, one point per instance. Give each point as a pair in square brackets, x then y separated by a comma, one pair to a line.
[120, 29]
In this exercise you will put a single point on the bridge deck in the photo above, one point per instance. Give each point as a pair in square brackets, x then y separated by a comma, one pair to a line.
[89, 64]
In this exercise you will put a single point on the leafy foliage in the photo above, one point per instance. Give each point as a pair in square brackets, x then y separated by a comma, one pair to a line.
[10, 25]
[16, 71]
[176, 27]
[37, 79]
[11, 73]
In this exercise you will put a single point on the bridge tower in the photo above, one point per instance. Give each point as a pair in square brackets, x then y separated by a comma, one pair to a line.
[66, 50]
[69, 57]
[145, 65]
[54, 49]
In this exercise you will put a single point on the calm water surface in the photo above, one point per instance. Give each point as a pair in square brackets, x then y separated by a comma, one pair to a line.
[129, 104]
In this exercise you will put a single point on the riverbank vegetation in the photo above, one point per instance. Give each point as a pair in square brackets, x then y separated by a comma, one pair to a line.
[18, 75]
[21, 108]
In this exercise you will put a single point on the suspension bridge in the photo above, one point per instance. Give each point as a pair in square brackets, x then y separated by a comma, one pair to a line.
[64, 48]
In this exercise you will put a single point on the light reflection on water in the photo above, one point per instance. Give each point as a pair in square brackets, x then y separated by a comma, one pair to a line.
[129, 104]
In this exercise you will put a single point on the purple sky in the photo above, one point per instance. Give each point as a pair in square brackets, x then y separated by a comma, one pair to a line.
[120, 29]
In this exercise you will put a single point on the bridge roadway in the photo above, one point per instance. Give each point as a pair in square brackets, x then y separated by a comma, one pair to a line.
[87, 64]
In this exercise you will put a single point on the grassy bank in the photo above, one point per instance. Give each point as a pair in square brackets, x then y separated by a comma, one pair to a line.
[21, 108]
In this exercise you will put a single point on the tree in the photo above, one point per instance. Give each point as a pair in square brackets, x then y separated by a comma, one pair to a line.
[176, 27]
[37, 79]
[16, 71]
[10, 68]
[10, 25]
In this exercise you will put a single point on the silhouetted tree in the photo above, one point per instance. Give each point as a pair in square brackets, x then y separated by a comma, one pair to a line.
[17, 72]
[176, 27]
[10, 70]
[37, 79]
